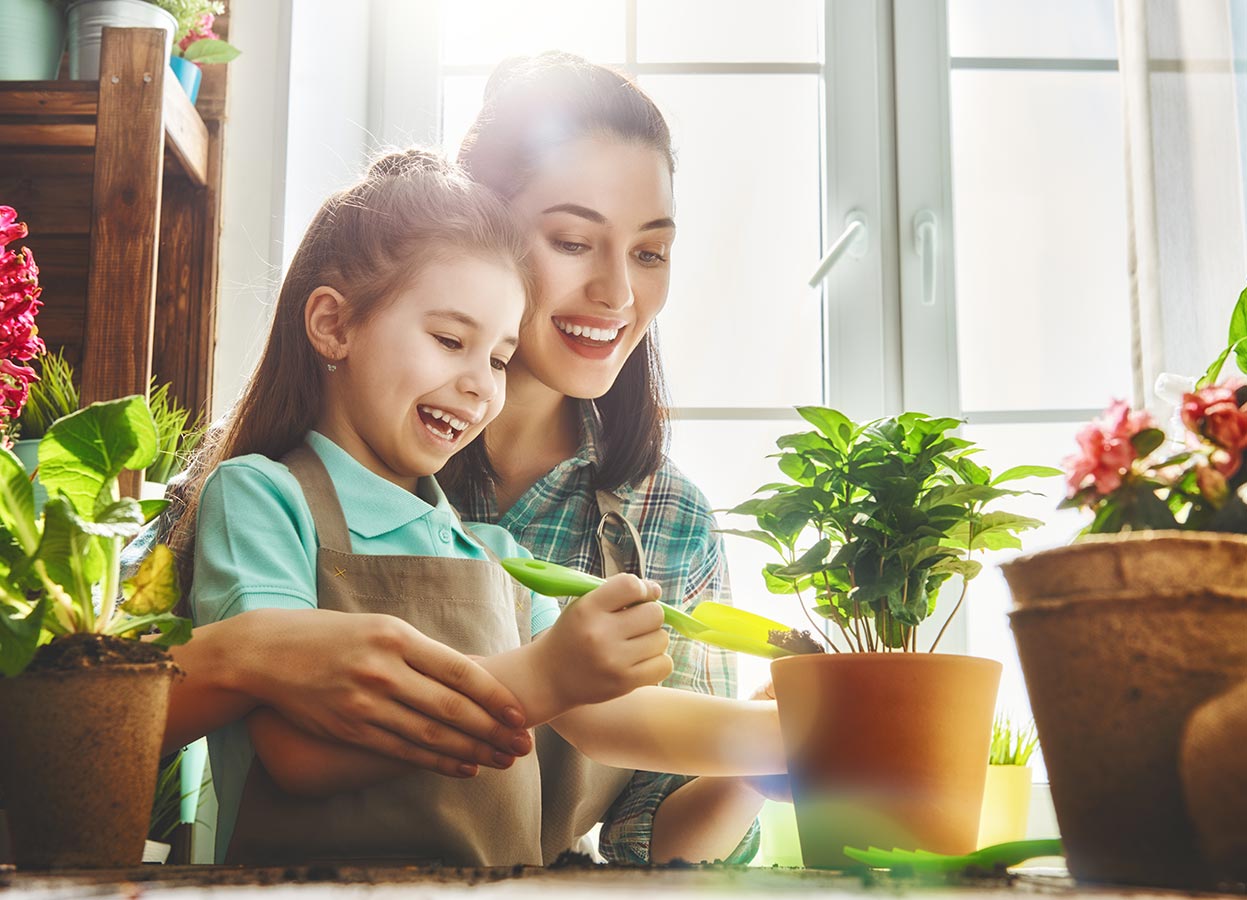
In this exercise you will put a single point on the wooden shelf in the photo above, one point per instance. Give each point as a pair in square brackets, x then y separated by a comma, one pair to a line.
[119, 181]
[60, 114]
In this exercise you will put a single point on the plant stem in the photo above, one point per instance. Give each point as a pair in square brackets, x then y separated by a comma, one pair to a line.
[936, 642]
[112, 576]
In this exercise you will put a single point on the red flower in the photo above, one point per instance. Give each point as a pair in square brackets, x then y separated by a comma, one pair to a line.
[19, 302]
[1214, 414]
[1105, 450]
[199, 31]
[10, 229]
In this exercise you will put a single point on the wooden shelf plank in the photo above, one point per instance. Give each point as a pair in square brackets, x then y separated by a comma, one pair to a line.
[41, 135]
[185, 133]
[49, 98]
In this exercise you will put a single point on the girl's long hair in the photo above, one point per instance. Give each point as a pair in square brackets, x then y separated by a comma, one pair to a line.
[534, 105]
[367, 242]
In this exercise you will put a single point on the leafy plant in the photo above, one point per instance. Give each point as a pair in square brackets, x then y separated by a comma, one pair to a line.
[167, 803]
[874, 518]
[194, 38]
[1012, 745]
[56, 567]
[175, 440]
[52, 397]
[1131, 477]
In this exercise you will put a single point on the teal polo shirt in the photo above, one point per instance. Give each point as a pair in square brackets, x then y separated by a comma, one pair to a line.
[255, 547]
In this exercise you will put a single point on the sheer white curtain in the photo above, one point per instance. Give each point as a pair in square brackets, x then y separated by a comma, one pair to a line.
[1184, 170]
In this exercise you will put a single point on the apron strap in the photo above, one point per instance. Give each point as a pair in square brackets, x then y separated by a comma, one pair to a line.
[322, 499]
[613, 559]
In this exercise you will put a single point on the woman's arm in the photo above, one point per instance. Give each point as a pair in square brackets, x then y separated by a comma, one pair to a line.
[380, 685]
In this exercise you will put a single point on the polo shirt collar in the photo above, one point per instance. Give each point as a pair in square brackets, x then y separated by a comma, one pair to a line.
[372, 505]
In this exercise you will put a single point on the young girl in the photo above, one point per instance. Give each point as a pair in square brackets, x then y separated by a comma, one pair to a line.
[388, 354]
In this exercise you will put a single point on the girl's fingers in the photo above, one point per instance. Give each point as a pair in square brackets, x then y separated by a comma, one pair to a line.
[620, 592]
[637, 620]
[654, 670]
[647, 646]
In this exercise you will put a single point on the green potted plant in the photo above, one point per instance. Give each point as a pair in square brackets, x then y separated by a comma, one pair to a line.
[1161, 568]
[1007, 791]
[177, 436]
[196, 44]
[871, 521]
[32, 39]
[75, 678]
[52, 396]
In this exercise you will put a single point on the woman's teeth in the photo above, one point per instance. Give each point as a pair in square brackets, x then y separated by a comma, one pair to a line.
[602, 335]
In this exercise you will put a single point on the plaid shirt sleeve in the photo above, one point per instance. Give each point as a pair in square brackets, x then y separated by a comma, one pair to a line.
[628, 825]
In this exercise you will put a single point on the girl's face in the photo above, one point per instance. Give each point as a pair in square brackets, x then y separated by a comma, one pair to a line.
[422, 377]
[600, 218]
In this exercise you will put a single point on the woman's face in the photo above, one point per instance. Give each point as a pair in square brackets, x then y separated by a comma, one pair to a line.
[599, 215]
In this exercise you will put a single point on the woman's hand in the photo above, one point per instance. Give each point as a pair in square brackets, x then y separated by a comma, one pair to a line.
[372, 681]
[607, 643]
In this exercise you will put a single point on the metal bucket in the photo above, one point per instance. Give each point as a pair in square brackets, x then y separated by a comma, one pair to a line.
[31, 40]
[88, 18]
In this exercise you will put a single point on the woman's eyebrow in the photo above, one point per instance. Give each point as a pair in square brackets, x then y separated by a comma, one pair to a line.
[597, 218]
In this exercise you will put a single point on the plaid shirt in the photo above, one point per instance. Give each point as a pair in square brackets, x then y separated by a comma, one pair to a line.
[557, 520]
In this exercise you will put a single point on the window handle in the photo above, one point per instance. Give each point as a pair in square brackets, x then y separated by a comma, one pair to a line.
[926, 242]
[853, 241]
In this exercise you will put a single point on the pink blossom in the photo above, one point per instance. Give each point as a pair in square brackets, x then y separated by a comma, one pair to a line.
[199, 31]
[1105, 452]
[1214, 413]
[10, 229]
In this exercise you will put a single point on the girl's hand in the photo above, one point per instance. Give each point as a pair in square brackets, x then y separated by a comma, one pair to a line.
[607, 643]
[376, 682]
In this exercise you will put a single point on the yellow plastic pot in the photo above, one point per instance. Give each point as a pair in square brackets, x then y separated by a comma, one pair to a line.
[1006, 805]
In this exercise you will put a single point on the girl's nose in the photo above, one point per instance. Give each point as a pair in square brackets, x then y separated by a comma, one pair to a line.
[478, 381]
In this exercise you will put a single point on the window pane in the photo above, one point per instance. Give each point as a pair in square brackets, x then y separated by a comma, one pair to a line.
[741, 327]
[1039, 211]
[728, 31]
[487, 31]
[728, 461]
[462, 96]
[988, 601]
[1075, 29]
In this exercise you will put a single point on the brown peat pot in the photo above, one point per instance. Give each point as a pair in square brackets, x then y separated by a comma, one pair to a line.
[886, 749]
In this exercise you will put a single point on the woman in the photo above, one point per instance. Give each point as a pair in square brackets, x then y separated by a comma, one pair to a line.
[584, 158]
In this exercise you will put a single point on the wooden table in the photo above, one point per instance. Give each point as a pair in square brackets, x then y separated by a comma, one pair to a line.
[307, 882]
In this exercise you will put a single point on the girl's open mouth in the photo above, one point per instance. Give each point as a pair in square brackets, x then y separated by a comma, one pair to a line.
[441, 424]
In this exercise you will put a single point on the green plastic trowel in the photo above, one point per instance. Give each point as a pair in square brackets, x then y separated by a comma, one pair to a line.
[987, 859]
[710, 623]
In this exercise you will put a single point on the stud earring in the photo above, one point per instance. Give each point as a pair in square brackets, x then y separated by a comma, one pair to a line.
[331, 367]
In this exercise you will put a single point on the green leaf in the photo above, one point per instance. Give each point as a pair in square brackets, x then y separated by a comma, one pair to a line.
[71, 556]
[809, 562]
[1147, 440]
[966, 568]
[760, 536]
[835, 425]
[19, 636]
[210, 50]
[1017, 472]
[173, 629]
[152, 508]
[1213, 372]
[84, 452]
[1238, 322]
[154, 587]
[121, 519]
[777, 584]
[17, 502]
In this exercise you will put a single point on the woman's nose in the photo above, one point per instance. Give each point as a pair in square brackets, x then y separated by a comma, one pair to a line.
[611, 285]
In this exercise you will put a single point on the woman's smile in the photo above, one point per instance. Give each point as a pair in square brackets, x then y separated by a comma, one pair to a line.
[590, 336]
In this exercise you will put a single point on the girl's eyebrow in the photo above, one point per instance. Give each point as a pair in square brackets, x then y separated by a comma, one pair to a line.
[467, 321]
[597, 218]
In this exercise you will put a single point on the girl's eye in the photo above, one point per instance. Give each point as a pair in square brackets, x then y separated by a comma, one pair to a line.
[651, 257]
[499, 364]
[448, 342]
[570, 247]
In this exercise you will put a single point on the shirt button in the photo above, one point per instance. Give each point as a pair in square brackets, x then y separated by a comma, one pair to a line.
[444, 534]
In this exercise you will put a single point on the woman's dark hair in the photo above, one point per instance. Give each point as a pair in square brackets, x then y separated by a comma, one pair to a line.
[412, 209]
[533, 106]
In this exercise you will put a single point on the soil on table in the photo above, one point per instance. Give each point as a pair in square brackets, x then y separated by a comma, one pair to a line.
[85, 651]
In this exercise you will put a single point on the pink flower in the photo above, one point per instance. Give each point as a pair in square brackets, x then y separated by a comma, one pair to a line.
[1214, 413]
[1105, 452]
[10, 229]
[199, 31]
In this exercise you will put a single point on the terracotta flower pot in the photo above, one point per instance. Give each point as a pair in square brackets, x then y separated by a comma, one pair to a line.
[1114, 668]
[79, 753]
[886, 749]
[1214, 777]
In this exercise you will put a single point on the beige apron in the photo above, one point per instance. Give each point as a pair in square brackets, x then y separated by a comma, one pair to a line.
[493, 819]
[576, 792]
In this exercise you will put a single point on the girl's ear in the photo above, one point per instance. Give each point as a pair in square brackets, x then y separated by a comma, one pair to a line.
[325, 319]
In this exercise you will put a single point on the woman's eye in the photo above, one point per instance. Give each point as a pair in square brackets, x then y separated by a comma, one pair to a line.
[569, 246]
[499, 364]
[651, 257]
[448, 342]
